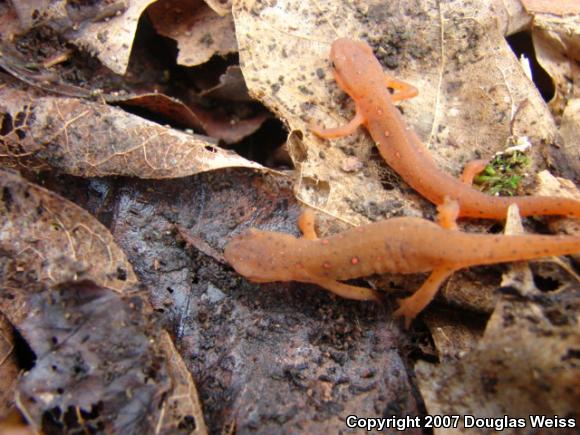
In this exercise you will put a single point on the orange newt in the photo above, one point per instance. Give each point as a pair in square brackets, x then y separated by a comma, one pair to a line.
[360, 75]
[399, 245]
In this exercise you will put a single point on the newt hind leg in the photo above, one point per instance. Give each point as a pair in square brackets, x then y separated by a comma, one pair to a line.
[472, 169]
[447, 213]
[306, 223]
[413, 305]
[348, 291]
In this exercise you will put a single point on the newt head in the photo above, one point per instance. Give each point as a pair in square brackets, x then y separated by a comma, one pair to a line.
[355, 67]
[262, 256]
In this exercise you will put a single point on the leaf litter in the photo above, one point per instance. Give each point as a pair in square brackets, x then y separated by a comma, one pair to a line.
[444, 51]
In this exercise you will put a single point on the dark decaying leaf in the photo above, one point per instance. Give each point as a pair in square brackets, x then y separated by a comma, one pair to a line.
[96, 367]
[265, 357]
[46, 239]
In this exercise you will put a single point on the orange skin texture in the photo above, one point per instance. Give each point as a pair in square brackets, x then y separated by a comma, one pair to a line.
[403, 245]
[360, 75]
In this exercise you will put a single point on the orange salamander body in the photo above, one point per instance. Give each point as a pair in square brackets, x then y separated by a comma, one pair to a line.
[360, 75]
[402, 245]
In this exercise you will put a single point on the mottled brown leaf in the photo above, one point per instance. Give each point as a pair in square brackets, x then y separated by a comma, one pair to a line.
[473, 94]
[90, 139]
[112, 39]
[526, 364]
[45, 239]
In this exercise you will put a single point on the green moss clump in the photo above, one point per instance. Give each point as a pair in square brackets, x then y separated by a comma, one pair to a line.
[502, 176]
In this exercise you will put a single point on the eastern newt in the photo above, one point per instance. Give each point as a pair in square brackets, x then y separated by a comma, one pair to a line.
[358, 72]
[399, 245]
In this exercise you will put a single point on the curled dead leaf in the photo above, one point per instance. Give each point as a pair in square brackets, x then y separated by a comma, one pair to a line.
[199, 31]
[47, 241]
[527, 346]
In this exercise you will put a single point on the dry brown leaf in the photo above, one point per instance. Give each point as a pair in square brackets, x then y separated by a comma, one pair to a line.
[560, 8]
[167, 107]
[473, 94]
[61, 14]
[511, 15]
[232, 86]
[8, 367]
[556, 37]
[454, 333]
[8, 21]
[570, 131]
[36, 12]
[182, 404]
[199, 31]
[105, 30]
[90, 139]
[229, 122]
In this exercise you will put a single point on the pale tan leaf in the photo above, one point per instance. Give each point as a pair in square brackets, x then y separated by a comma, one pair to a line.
[473, 98]
[570, 131]
[556, 36]
[183, 400]
[8, 367]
